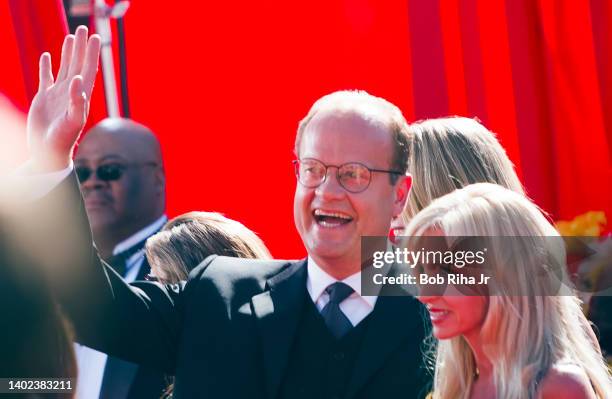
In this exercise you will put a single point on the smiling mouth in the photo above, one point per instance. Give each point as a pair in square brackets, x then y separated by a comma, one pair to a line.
[437, 315]
[330, 219]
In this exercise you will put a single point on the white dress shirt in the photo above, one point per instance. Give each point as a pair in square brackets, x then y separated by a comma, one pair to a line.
[91, 363]
[355, 307]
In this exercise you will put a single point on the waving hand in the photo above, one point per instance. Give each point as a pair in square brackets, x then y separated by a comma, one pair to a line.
[61, 105]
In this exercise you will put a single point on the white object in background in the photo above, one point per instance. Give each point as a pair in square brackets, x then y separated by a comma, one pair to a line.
[102, 14]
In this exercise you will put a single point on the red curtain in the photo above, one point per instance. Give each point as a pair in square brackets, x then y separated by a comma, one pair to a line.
[39, 26]
[224, 85]
[535, 72]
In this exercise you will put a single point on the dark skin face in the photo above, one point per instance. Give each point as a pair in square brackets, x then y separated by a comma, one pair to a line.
[119, 208]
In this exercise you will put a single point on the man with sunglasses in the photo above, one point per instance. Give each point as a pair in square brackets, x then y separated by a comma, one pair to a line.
[268, 329]
[119, 168]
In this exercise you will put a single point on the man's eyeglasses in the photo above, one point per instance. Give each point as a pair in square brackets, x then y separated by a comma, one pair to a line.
[107, 172]
[354, 177]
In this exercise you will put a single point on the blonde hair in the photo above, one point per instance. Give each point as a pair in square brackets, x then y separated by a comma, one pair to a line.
[450, 153]
[188, 239]
[524, 336]
[370, 108]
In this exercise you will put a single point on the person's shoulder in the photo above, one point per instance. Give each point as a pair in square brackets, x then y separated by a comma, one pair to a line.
[230, 269]
[227, 277]
[566, 381]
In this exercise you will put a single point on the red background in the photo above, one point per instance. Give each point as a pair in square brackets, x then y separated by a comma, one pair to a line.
[224, 84]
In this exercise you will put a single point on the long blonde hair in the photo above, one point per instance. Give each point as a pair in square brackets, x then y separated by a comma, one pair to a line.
[524, 335]
[450, 153]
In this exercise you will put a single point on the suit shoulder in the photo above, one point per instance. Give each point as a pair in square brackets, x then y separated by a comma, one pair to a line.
[234, 280]
[228, 269]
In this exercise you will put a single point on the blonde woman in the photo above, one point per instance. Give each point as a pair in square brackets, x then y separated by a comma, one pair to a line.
[188, 239]
[450, 153]
[501, 346]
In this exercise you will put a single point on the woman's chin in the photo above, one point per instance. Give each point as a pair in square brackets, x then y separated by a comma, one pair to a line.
[443, 333]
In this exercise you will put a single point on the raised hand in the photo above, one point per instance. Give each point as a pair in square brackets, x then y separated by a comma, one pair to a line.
[60, 108]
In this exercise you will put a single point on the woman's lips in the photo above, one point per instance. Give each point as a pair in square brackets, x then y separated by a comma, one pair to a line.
[438, 315]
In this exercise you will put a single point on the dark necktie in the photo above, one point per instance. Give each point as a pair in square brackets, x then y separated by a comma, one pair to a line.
[119, 261]
[336, 320]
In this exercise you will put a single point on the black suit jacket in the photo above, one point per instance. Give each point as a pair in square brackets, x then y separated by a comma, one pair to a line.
[127, 380]
[228, 331]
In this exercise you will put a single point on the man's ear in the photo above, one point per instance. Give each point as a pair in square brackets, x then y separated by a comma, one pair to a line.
[402, 189]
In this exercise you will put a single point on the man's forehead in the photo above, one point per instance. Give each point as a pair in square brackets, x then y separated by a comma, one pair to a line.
[101, 145]
[353, 127]
[101, 158]
[98, 147]
[341, 138]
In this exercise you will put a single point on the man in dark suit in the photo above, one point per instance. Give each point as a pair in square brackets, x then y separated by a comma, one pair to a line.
[257, 329]
[120, 170]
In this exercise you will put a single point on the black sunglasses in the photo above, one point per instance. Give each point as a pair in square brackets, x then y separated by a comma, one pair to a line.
[107, 172]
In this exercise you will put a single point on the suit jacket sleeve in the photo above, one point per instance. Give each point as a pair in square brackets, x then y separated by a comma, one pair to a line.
[138, 323]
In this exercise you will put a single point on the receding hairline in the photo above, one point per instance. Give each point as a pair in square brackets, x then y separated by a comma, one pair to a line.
[371, 109]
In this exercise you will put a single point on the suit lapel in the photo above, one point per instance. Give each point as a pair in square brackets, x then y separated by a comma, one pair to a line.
[278, 313]
[392, 321]
[144, 270]
[118, 377]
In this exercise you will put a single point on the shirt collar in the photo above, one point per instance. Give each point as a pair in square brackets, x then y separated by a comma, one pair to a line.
[140, 235]
[318, 280]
